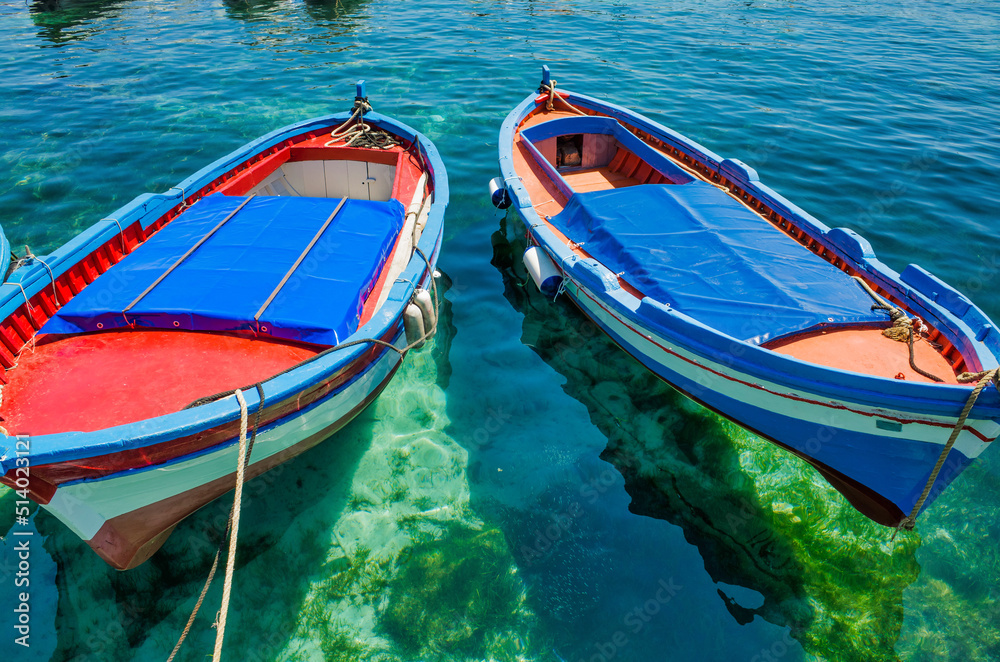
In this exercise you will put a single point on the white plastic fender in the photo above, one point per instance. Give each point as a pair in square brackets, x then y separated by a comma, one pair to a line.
[423, 300]
[498, 193]
[413, 325]
[543, 271]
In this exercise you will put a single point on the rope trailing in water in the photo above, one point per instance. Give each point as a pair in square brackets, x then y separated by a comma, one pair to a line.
[355, 132]
[983, 378]
[232, 514]
[550, 89]
[903, 329]
[234, 532]
[245, 460]
[197, 606]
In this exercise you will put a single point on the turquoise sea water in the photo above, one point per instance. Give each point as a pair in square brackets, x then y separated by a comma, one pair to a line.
[523, 490]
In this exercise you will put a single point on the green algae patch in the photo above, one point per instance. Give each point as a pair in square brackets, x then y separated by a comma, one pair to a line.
[456, 594]
[362, 575]
[953, 608]
[338, 639]
[852, 573]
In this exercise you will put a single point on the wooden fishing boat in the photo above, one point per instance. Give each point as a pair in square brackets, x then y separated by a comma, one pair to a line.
[749, 305]
[292, 268]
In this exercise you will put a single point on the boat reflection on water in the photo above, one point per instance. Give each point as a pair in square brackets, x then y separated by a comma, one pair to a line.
[329, 10]
[318, 10]
[63, 21]
[760, 518]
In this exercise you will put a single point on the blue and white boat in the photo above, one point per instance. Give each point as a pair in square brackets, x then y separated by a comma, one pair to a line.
[298, 269]
[749, 305]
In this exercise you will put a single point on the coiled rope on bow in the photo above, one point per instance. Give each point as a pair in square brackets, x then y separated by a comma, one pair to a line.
[550, 89]
[981, 379]
[355, 132]
[903, 329]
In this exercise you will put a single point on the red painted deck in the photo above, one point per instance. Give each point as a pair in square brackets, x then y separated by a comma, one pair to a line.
[90, 382]
[869, 352]
[98, 380]
[18, 329]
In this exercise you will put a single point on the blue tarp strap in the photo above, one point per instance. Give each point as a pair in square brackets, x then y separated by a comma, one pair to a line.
[186, 255]
[302, 256]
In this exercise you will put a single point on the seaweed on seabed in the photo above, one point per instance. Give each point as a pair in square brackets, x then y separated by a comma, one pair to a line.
[360, 575]
[339, 642]
[459, 594]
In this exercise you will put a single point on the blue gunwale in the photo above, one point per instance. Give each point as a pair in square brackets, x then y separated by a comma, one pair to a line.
[147, 208]
[972, 332]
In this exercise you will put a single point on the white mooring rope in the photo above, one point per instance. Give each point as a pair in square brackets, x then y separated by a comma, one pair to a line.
[231, 560]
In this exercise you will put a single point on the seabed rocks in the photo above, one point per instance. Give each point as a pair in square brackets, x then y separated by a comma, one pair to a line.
[411, 572]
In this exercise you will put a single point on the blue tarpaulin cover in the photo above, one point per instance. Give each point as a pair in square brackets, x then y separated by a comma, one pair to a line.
[697, 249]
[225, 281]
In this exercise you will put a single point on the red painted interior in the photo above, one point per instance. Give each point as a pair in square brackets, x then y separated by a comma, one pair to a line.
[94, 381]
[78, 382]
[314, 150]
[45, 478]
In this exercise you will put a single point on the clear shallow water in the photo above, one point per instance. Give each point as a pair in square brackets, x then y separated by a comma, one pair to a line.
[525, 490]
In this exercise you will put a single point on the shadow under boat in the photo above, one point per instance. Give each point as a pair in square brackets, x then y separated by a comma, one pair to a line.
[682, 464]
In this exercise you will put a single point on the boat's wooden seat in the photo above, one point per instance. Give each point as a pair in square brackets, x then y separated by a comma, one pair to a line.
[625, 169]
[277, 185]
[597, 179]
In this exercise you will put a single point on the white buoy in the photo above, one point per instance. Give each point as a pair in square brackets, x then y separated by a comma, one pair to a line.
[498, 193]
[413, 325]
[543, 271]
[425, 303]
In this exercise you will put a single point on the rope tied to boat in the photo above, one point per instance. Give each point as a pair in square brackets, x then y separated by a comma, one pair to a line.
[402, 351]
[245, 457]
[550, 89]
[982, 379]
[355, 132]
[904, 328]
[246, 448]
[28, 258]
[234, 529]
